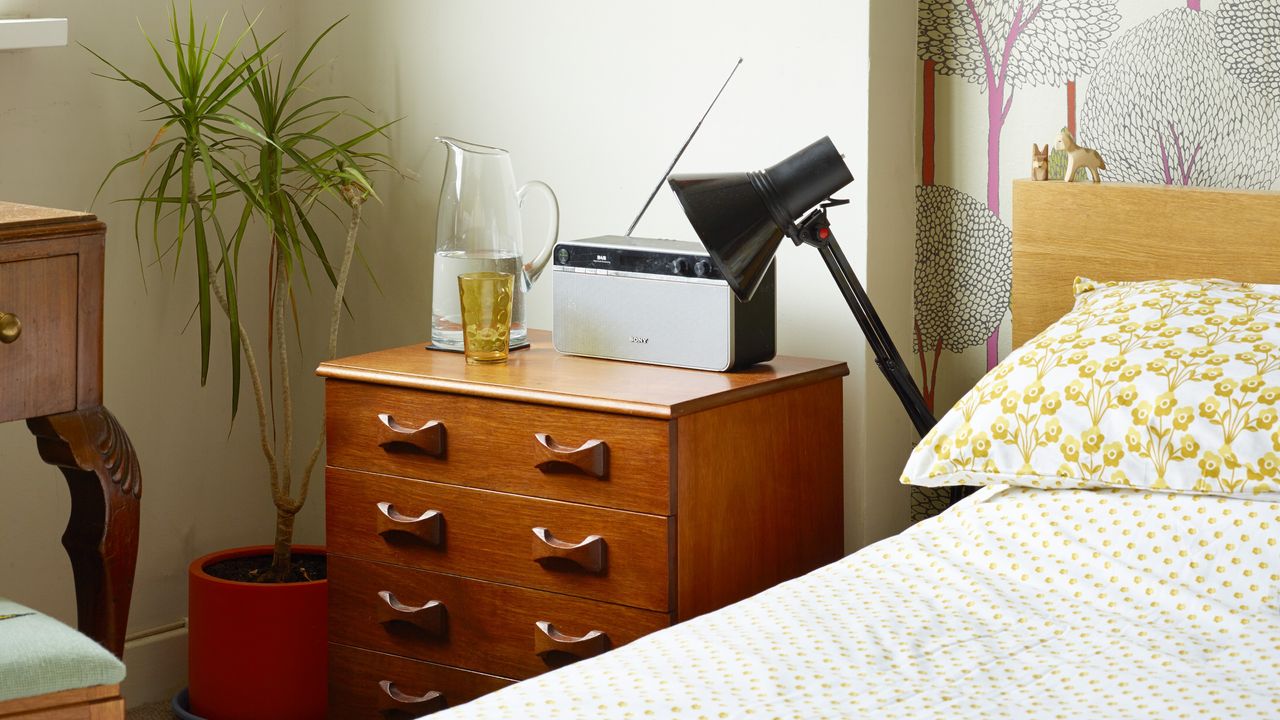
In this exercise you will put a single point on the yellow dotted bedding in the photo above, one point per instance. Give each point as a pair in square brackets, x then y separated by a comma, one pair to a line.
[1017, 603]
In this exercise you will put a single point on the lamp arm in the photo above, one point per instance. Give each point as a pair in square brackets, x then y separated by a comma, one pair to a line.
[816, 231]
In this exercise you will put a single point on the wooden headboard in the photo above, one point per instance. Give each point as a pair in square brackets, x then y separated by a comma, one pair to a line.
[1115, 231]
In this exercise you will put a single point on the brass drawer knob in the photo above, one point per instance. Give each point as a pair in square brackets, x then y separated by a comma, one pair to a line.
[429, 618]
[548, 642]
[10, 328]
[588, 554]
[393, 699]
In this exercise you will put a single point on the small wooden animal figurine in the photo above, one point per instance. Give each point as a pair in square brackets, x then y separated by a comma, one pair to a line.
[1080, 157]
[1039, 162]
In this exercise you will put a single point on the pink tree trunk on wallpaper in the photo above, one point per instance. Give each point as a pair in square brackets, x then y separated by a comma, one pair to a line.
[999, 100]
[996, 113]
[1182, 174]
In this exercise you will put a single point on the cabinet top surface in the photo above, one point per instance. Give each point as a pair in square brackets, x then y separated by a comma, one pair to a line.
[15, 216]
[542, 375]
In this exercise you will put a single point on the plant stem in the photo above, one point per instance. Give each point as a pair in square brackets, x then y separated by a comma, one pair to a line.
[286, 507]
[335, 318]
[286, 389]
[282, 554]
[255, 378]
[340, 290]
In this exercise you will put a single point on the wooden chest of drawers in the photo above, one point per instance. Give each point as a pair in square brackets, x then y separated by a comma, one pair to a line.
[488, 523]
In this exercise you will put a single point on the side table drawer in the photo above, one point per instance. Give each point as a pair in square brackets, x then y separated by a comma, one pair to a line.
[473, 624]
[365, 685]
[594, 458]
[39, 376]
[609, 555]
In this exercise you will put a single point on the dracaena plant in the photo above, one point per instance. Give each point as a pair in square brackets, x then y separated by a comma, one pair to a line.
[243, 161]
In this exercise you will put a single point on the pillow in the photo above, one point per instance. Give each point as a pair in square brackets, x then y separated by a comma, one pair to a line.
[1170, 385]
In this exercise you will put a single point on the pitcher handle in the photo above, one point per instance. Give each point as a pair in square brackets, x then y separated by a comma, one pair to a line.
[534, 268]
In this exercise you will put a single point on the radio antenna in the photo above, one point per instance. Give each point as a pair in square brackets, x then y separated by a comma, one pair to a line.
[684, 147]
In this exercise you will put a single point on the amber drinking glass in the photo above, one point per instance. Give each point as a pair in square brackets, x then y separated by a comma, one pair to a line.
[486, 315]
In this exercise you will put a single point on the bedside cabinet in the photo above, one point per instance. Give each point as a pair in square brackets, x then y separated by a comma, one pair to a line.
[488, 523]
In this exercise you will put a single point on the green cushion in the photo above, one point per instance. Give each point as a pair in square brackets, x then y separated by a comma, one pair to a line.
[40, 655]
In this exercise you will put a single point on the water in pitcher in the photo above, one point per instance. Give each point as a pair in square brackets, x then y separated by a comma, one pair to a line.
[446, 311]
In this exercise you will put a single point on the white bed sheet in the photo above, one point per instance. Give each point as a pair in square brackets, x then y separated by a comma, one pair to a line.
[1076, 604]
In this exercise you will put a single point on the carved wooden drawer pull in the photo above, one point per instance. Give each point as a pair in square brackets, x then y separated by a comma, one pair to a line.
[588, 554]
[427, 440]
[429, 617]
[393, 700]
[590, 458]
[548, 640]
[427, 527]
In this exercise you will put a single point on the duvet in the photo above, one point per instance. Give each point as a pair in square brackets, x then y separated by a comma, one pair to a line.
[1016, 603]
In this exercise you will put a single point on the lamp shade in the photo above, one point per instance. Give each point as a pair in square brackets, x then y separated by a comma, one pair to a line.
[734, 225]
[742, 217]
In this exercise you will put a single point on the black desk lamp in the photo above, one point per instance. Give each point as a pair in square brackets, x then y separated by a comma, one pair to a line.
[742, 217]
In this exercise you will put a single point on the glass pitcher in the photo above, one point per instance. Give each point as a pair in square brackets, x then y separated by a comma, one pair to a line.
[478, 229]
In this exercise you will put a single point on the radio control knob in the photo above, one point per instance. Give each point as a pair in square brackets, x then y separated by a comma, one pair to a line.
[702, 268]
[680, 266]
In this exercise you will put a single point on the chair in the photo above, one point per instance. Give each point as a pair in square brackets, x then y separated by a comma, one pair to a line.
[50, 672]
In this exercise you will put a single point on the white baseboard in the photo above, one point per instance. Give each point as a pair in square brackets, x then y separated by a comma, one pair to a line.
[156, 664]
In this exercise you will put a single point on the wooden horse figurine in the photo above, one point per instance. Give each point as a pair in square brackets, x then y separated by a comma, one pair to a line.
[1039, 162]
[1080, 157]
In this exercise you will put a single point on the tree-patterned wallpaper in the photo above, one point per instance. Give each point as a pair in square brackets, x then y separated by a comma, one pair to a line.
[1182, 92]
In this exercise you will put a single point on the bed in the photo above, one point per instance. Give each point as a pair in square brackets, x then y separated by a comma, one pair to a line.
[1116, 602]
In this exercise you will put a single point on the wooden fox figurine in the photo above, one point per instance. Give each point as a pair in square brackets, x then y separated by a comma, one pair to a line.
[1080, 157]
[1039, 162]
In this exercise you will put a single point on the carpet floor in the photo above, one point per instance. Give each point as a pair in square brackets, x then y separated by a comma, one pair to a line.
[153, 711]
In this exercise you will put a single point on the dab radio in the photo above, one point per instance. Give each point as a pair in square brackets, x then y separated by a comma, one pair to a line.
[657, 301]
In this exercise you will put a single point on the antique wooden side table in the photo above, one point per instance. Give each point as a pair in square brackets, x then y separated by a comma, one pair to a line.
[51, 279]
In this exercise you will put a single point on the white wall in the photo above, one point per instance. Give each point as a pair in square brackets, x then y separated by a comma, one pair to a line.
[595, 98]
[884, 507]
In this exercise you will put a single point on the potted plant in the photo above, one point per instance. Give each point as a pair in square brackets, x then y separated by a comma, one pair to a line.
[241, 158]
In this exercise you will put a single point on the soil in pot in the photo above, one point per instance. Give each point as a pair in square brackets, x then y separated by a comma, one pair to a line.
[304, 568]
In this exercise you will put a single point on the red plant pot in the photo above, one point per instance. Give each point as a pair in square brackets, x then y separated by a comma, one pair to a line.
[257, 651]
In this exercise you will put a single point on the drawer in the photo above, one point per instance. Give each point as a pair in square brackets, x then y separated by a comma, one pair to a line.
[612, 461]
[412, 689]
[39, 368]
[491, 536]
[471, 623]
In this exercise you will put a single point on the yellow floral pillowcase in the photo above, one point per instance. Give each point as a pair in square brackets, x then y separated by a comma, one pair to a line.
[1165, 385]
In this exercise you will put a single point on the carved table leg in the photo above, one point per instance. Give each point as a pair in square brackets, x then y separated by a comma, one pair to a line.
[98, 460]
